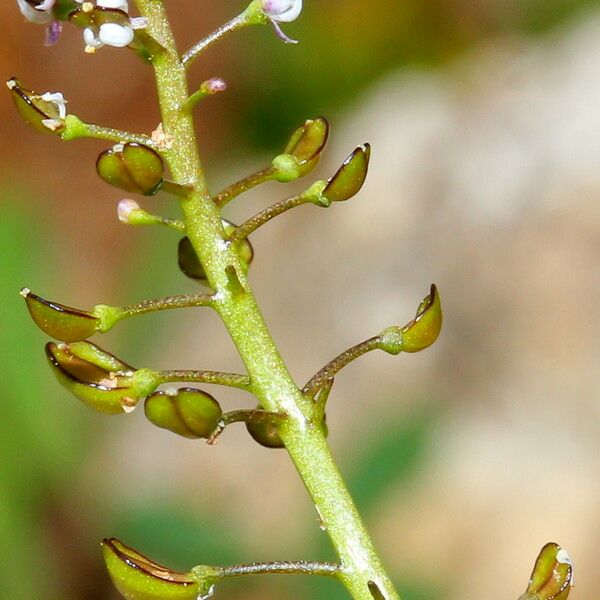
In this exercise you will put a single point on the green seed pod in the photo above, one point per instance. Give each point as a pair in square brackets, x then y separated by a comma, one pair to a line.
[419, 333]
[45, 112]
[139, 578]
[132, 167]
[307, 143]
[552, 576]
[264, 431]
[188, 412]
[190, 265]
[59, 321]
[99, 379]
[350, 176]
[98, 16]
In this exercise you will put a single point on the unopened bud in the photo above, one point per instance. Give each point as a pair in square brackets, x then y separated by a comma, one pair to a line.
[59, 321]
[188, 412]
[350, 176]
[132, 167]
[136, 577]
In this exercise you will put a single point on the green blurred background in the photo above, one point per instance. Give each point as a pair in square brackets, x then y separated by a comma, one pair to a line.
[465, 459]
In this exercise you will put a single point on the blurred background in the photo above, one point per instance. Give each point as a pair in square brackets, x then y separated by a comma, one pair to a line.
[485, 178]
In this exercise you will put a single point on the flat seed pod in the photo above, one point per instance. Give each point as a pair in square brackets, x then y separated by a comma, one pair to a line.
[188, 412]
[45, 112]
[265, 433]
[552, 576]
[60, 321]
[98, 379]
[132, 167]
[139, 578]
[419, 333]
[190, 265]
[350, 177]
[307, 142]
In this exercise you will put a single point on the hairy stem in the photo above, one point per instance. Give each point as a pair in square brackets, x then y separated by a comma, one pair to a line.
[269, 377]
[214, 377]
[280, 568]
[239, 187]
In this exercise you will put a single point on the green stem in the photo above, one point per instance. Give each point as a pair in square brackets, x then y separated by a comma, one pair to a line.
[320, 379]
[270, 380]
[75, 129]
[213, 377]
[279, 568]
[251, 225]
[110, 315]
[239, 187]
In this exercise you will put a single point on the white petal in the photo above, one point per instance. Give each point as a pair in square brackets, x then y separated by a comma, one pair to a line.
[33, 15]
[113, 34]
[138, 22]
[118, 4]
[282, 10]
[90, 38]
[58, 100]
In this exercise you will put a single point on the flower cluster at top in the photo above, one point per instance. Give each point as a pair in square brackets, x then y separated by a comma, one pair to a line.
[108, 22]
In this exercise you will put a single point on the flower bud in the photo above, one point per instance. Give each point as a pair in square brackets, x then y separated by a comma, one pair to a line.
[188, 412]
[59, 321]
[132, 167]
[307, 143]
[188, 260]
[350, 176]
[420, 333]
[98, 379]
[45, 112]
[139, 578]
[282, 10]
[552, 576]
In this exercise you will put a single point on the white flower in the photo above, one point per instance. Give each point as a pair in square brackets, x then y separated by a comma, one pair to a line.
[37, 11]
[284, 11]
[109, 34]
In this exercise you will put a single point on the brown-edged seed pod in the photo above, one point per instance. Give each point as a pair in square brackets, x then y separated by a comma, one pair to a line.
[132, 167]
[98, 379]
[552, 576]
[188, 412]
[419, 333]
[45, 112]
[139, 578]
[59, 321]
[307, 142]
[350, 177]
[98, 16]
[190, 265]
[264, 431]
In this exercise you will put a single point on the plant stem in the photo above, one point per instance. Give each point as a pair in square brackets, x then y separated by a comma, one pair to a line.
[280, 568]
[214, 377]
[270, 379]
[251, 225]
[239, 187]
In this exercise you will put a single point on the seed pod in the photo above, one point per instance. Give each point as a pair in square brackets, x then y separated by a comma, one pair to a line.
[190, 265]
[99, 379]
[350, 176]
[132, 167]
[59, 321]
[264, 431]
[45, 112]
[139, 578]
[419, 333]
[188, 412]
[98, 16]
[307, 142]
[552, 576]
